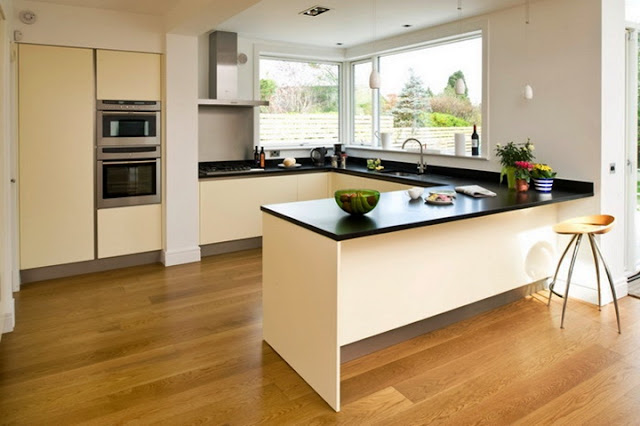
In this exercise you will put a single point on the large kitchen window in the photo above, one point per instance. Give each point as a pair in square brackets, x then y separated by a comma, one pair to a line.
[304, 104]
[417, 97]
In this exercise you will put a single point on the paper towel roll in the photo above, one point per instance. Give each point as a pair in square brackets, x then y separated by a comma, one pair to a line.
[460, 144]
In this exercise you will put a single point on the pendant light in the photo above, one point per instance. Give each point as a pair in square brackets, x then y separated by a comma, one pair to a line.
[374, 78]
[460, 86]
[528, 90]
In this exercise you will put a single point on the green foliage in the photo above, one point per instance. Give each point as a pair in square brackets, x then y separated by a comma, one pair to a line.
[267, 89]
[457, 106]
[412, 103]
[512, 152]
[438, 119]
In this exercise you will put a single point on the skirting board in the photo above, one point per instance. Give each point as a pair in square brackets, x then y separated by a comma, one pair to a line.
[381, 341]
[589, 294]
[9, 320]
[179, 257]
[231, 246]
[90, 266]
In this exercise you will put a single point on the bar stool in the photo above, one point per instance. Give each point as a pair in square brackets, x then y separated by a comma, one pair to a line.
[579, 226]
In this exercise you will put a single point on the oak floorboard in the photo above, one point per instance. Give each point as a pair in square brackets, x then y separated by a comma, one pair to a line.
[183, 345]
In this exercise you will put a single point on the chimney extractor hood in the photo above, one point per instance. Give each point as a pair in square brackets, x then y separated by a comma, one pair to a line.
[223, 72]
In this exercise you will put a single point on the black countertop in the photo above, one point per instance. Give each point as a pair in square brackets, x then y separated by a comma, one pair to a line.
[396, 211]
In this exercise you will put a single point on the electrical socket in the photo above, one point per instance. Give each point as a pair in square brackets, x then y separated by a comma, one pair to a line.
[612, 168]
[274, 154]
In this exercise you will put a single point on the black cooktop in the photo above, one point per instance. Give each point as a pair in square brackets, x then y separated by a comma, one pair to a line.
[216, 168]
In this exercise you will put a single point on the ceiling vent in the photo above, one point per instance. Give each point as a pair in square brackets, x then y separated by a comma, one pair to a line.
[315, 11]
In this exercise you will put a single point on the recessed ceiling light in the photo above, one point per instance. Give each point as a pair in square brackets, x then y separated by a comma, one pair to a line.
[407, 25]
[315, 11]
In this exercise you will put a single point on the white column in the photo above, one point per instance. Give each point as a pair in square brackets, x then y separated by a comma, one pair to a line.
[181, 151]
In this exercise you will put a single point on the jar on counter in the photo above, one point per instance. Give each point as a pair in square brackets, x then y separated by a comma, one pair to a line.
[334, 161]
[343, 161]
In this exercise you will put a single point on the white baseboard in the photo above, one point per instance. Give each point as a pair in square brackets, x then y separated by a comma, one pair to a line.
[9, 318]
[590, 294]
[178, 257]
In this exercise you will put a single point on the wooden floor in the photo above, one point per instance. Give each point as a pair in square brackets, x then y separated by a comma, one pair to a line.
[182, 345]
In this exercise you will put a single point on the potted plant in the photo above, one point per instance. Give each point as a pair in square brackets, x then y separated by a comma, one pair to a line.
[542, 176]
[522, 175]
[509, 154]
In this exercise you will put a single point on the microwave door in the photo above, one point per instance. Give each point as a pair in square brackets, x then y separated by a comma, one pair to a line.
[128, 128]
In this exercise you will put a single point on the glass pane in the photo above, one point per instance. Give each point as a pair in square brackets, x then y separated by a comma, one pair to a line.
[123, 180]
[362, 105]
[418, 99]
[303, 103]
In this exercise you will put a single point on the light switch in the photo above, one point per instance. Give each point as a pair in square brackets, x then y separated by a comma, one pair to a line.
[612, 168]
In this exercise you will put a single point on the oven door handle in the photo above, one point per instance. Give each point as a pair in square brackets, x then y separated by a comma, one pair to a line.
[107, 162]
[129, 112]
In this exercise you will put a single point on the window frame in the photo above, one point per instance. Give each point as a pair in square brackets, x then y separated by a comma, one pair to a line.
[342, 93]
[425, 39]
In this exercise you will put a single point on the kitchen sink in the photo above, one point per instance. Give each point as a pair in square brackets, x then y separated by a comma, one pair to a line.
[397, 172]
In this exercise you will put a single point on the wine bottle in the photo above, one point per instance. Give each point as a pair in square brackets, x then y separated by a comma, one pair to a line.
[256, 157]
[262, 157]
[475, 142]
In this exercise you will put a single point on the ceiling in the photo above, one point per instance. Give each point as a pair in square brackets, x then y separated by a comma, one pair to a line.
[349, 22]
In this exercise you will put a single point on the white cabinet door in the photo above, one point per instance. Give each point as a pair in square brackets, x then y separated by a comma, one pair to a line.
[230, 208]
[313, 186]
[56, 131]
[128, 75]
[129, 230]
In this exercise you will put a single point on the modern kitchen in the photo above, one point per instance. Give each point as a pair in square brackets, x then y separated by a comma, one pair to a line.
[274, 212]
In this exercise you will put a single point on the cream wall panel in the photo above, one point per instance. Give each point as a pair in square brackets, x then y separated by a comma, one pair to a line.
[128, 230]
[56, 122]
[313, 186]
[128, 75]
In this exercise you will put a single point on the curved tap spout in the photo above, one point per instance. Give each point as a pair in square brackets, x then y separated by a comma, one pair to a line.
[422, 166]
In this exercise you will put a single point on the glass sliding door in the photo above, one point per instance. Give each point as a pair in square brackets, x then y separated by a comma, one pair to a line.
[632, 258]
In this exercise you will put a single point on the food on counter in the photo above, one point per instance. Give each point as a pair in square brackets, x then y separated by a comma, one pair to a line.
[289, 162]
[440, 198]
[357, 201]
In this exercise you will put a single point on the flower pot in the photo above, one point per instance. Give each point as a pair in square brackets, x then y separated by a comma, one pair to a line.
[542, 184]
[522, 185]
[511, 176]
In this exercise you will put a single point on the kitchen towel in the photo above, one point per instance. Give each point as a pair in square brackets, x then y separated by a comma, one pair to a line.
[460, 144]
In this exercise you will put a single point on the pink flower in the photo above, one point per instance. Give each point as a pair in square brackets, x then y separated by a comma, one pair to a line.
[524, 165]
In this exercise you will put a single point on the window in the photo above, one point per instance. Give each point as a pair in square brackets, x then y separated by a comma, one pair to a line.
[417, 96]
[303, 103]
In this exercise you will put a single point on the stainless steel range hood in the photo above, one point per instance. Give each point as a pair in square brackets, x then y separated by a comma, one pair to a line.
[223, 72]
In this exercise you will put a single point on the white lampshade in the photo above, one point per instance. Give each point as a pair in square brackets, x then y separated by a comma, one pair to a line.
[460, 87]
[528, 92]
[374, 80]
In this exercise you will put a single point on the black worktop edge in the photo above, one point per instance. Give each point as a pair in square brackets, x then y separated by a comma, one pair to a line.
[430, 222]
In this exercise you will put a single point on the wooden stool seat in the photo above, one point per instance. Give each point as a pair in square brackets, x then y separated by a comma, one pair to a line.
[578, 227]
[598, 224]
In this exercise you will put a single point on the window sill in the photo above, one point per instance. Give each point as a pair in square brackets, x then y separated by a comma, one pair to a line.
[429, 152]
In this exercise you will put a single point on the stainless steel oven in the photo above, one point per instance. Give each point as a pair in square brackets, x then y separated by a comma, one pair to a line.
[128, 175]
[128, 123]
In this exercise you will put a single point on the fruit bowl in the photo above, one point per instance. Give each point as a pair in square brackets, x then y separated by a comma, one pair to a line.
[357, 201]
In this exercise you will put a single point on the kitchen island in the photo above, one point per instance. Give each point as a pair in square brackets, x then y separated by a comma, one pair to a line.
[330, 279]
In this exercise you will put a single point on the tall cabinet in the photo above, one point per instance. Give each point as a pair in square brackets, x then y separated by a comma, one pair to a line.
[56, 124]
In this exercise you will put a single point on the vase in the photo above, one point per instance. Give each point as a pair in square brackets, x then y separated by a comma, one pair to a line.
[510, 172]
[543, 184]
[522, 185]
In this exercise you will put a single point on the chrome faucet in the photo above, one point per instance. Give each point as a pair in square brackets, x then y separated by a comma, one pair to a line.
[422, 166]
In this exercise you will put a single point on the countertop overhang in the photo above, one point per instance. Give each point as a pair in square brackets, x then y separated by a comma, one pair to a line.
[396, 211]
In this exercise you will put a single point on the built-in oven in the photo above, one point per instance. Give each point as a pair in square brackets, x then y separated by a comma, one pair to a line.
[128, 175]
[128, 123]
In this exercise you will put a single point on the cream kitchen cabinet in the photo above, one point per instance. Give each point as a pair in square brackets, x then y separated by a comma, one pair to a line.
[129, 230]
[313, 186]
[128, 75]
[56, 132]
[230, 208]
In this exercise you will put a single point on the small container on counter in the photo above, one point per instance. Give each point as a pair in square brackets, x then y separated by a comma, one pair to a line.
[343, 161]
[334, 161]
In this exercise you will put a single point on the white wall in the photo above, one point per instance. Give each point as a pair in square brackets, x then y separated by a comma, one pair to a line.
[7, 254]
[86, 27]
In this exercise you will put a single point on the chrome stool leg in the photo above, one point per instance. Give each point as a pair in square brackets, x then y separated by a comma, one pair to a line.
[596, 263]
[566, 291]
[555, 276]
[613, 290]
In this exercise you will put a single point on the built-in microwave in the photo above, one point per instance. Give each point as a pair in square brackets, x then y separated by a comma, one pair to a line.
[128, 123]
[128, 176]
